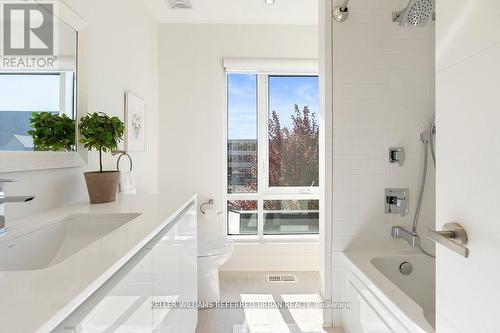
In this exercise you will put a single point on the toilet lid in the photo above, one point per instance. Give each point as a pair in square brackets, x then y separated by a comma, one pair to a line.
[214, 246]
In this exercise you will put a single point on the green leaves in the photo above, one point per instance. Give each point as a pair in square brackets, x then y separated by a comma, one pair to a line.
[52, 132]
[100, 132]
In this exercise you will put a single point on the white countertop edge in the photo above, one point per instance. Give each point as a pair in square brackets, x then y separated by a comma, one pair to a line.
[384, 289]
[60, 316]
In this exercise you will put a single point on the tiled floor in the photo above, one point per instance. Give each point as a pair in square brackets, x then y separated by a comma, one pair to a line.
[252, 286]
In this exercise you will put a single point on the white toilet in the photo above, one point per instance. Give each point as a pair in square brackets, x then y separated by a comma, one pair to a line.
[213, 251]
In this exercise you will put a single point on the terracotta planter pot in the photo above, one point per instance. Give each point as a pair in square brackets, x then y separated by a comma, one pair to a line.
[102, 186]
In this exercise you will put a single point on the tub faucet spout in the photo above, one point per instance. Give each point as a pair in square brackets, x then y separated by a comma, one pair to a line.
[410, 237]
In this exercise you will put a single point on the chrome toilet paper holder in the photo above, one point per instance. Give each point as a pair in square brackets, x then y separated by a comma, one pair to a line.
[203, 207]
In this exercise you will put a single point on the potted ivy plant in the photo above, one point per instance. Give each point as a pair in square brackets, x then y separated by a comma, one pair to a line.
[52, 132]
[102, 133]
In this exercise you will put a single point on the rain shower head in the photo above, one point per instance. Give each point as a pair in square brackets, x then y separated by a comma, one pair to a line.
[416, 14]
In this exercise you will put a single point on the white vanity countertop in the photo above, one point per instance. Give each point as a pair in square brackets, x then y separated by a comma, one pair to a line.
[37, 301]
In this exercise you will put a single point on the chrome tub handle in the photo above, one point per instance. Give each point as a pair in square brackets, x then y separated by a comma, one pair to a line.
[453, 237]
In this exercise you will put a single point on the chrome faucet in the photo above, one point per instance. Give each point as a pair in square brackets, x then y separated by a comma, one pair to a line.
[410, 237]
[5, 199]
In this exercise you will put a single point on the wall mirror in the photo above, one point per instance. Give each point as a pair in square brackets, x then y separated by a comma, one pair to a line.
[41, 94]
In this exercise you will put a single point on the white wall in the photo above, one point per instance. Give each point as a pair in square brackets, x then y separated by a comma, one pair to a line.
[468, 115]
[122, 55]
[192, 97]
[383, 97]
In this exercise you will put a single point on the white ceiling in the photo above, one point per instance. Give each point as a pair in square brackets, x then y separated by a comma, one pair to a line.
[300, 12]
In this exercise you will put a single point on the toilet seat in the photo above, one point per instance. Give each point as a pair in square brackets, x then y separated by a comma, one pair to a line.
[214, 247]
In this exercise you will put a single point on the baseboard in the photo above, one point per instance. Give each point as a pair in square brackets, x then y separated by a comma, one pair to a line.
[303, 257]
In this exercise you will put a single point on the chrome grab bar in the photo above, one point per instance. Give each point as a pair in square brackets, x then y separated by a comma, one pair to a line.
[453, 237]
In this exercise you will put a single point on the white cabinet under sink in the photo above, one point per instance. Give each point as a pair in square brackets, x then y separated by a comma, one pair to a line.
[164, 271]
[189, 270]
[166, 287]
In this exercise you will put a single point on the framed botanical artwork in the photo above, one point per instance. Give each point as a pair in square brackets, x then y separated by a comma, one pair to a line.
[135, 112]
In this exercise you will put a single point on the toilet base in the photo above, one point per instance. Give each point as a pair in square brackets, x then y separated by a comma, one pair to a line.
[208, 277]
[208, 285]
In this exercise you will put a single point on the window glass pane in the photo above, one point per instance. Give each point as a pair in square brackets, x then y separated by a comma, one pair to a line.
[293, 131]
[20, 96]
[288, 217]
[25, 92]
[242, 217]
[242, 133]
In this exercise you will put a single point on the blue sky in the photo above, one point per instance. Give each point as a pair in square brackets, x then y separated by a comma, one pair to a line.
[284, 92]
[29, 92]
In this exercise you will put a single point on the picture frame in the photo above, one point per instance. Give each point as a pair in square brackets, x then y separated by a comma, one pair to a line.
[135, 123]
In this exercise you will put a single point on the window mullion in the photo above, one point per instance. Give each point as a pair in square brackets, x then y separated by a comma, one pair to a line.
[262, 129]
[260, 223]
[262, 146]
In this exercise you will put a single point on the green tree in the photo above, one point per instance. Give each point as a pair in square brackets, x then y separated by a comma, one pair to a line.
[100, 132]
[52, 132]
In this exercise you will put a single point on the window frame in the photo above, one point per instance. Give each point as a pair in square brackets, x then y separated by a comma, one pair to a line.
[264, 159]
[264, 191]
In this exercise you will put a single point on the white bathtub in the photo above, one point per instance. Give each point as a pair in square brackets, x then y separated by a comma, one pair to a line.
[385, 300]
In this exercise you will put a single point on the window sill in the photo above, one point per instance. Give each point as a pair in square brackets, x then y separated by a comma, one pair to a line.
[275, 239]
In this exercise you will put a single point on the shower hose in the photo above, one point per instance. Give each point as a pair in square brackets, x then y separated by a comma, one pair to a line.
[422, 189]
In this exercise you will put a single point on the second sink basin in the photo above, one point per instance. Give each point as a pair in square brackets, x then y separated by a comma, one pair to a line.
[58, 241]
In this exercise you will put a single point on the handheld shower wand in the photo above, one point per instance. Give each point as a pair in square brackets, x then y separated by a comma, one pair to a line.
[427, 139]
[412, 237]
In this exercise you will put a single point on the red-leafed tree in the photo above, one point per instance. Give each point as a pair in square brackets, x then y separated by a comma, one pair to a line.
[293, 158]
[294, 153]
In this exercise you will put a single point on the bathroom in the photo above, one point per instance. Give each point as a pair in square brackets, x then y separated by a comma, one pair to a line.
[378, 217]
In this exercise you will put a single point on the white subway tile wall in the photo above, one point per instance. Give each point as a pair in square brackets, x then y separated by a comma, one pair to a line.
[383, 96]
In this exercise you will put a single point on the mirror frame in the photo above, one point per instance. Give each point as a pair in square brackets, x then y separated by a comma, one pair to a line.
[33, 160]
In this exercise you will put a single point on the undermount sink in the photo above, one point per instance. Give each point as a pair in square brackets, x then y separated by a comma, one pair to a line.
[58, 241]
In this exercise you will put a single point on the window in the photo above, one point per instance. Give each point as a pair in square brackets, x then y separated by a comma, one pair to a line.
[291, 217]
[242, 133]
[242, 217]
[293, 131]
[22, 94]
[272, 155]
